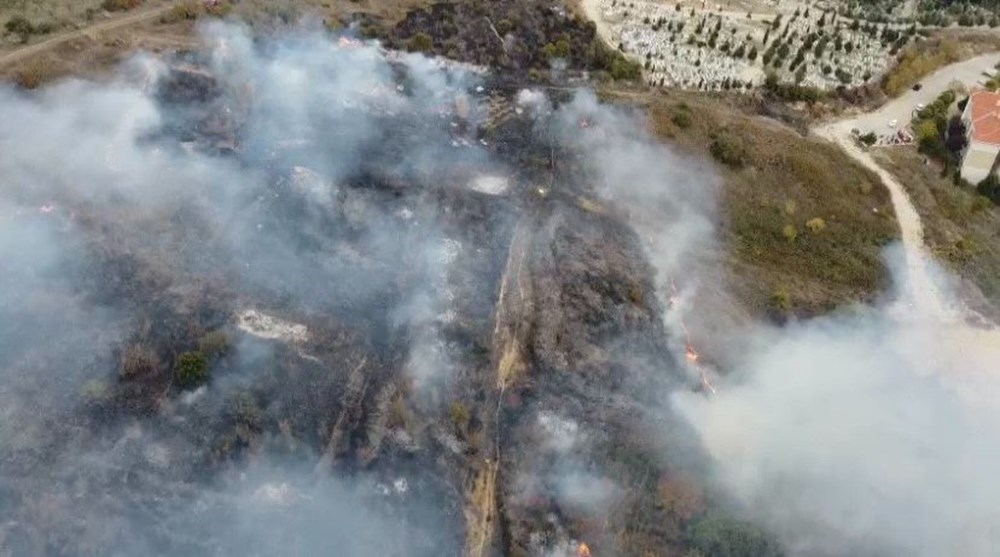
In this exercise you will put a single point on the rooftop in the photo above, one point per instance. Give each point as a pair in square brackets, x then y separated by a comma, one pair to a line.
[985, 117]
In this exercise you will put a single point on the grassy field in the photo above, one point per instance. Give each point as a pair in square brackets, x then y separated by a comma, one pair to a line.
[961, 227]
[94, 53]
[802, 225]
[51, 15]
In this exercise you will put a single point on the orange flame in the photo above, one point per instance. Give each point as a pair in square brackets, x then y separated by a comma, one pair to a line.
[689, 352]
[583, 550]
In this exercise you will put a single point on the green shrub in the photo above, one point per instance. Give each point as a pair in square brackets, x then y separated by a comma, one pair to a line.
[189, 10]
[789, 232]
[222, 8]
[681, 119]
[244, 410]
[623, 69]
[559, 49]
[990, 188]
[20, 26]
[95, 391]
[781, 300]
[45, 27]
[191, 369]
[728, 150]
[719, 536]
[120, 5]
[868, 139]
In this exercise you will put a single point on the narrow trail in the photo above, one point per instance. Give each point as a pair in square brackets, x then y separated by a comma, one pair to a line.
[919, 291]
[513, 303]
[89, 31]
[946, 322]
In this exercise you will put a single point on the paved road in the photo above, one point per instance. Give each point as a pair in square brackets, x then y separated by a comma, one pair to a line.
[969, 72]
[118, 22]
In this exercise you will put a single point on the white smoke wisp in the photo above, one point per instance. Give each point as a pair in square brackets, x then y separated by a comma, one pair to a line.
[669, 199]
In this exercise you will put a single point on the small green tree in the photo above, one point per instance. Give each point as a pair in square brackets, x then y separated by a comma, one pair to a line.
[19, 26]
[191, 369]
[990, 188]
[729, 150]
[681, 119]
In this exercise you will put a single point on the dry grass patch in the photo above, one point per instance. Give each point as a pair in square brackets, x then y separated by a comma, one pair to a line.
[35, 72]
[803, 225]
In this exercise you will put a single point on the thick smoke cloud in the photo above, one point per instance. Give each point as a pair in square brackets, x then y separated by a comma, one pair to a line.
[854, 434]
[869, 433]
[122, 201]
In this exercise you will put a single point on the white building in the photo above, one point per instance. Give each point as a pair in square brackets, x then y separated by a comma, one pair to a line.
[982, 123]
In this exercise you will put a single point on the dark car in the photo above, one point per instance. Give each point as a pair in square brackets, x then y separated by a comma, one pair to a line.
[917, 86]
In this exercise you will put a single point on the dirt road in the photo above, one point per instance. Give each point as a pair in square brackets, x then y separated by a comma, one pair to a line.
[966, 336]
[112, 24]
[920, 288]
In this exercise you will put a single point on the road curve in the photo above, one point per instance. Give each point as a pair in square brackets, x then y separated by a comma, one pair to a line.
[116, 23]
[920, 290]
[948, 323]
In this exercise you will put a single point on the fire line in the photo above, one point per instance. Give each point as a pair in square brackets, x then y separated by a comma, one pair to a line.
[689, 350]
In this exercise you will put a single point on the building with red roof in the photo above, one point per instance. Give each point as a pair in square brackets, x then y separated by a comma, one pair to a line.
[982, 123]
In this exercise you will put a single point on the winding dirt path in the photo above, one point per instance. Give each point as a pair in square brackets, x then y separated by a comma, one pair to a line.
[920, 290]
[968, 340]
[131, 18]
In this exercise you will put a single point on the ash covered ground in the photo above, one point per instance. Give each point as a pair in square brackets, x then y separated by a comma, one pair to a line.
[303, 296]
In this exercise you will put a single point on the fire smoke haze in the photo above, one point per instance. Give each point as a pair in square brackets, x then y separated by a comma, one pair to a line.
[874, 432]
[103, 181]
[842, 434]
[870, 434]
